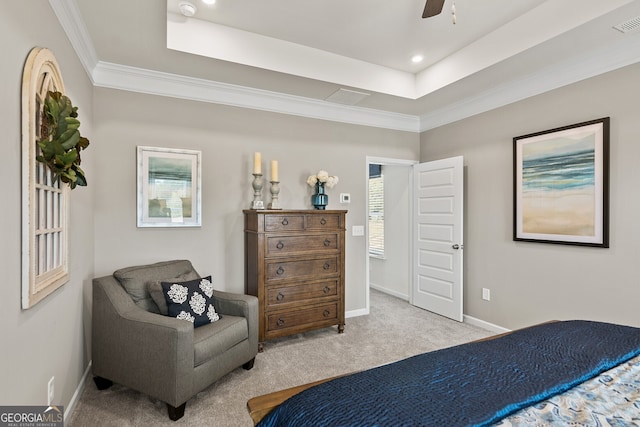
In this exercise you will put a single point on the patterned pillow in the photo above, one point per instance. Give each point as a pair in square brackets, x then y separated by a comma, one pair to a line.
[192, 301]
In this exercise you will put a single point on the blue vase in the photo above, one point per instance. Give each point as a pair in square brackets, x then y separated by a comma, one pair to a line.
[319, 200]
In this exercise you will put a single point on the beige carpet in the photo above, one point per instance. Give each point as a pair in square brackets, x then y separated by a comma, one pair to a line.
[394, 330]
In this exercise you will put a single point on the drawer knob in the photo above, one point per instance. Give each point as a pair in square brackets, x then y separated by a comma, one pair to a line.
[280, 321]
[327, 242]
[280, 245]
[285, 222]
[280, 271]
[326, 313]
[326, 266]
[326, 289]
[280, 296]
[323, 221]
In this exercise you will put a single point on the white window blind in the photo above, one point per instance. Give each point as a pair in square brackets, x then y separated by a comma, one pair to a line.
[376, 211]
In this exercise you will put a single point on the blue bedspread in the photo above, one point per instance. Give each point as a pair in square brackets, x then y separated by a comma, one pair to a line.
[474, 384]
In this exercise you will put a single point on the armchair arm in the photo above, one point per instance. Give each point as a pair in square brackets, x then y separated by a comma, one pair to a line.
[242, 305]
[142, 350]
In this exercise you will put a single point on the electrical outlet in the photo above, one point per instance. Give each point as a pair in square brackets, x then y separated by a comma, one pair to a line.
[50, 391]
[486, 294]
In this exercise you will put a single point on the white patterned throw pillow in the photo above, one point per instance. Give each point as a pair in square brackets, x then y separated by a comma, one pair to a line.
[185, 316]
[191, 301]
[212, 314]
[206, 286]
[178, 293]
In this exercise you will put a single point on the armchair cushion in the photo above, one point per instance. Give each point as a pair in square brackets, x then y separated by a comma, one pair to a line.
[216, 338]
[192, 301]
[135, 280]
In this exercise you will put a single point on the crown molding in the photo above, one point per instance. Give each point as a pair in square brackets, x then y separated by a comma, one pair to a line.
[109, 75]
[71, 20]
[572, 70]
[103, 74]
[134, 79]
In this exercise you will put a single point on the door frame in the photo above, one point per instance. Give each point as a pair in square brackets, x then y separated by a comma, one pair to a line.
[388, 162]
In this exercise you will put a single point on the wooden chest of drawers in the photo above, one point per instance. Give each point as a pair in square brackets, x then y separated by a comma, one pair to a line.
[294, 264]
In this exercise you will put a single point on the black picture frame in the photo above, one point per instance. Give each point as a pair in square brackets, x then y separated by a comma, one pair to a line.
[561, 185]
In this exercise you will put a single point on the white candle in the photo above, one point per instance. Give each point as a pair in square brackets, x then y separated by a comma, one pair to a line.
[257, 163]
[274, 170]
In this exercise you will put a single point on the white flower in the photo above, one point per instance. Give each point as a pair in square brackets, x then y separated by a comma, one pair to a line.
[206, 287]
[333, 180]
[186, 316]
[211, 314]
[197, 303]
[323, 177]
[178, 293]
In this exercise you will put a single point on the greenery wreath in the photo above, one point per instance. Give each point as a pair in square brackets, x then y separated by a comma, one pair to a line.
[60, 140]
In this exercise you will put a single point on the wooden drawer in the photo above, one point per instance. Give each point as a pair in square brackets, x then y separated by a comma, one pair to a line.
[292, 319]
[285, 245]
[284, 222]
[294, 264]
[302, 268]
[302, 292]
[323, 222]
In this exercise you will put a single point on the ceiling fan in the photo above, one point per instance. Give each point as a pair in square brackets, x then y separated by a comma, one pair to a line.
[432, 8]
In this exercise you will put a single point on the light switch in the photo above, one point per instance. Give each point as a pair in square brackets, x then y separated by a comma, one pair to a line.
[357, 230]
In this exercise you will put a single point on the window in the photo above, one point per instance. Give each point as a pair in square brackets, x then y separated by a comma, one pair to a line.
[376, 211]
[44, 201]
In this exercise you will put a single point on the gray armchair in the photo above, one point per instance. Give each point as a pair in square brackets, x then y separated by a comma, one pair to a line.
[166, 358]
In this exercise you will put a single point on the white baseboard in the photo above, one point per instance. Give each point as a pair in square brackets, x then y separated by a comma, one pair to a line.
[388, 291]
[356, 313]
[485, 325]
[76, 395]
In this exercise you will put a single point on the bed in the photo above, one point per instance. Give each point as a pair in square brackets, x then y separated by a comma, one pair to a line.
[558, 373]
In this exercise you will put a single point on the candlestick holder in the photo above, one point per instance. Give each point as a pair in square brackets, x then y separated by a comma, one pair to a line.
[257, 192]
[275, 190]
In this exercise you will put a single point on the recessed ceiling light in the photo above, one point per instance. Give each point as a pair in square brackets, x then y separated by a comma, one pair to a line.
[187, 8]
[416, 58]
[209, 2]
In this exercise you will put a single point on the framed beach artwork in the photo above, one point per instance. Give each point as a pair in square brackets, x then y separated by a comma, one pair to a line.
[169, 187]
[561, 185]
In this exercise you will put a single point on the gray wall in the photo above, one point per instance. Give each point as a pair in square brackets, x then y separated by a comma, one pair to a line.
[227, 137]
[52, 338]
[533, 282]
[391, 274]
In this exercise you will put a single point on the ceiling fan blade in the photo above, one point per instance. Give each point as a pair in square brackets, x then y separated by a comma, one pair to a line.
[432, 8]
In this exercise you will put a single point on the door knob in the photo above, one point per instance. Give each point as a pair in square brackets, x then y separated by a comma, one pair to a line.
[457, 246]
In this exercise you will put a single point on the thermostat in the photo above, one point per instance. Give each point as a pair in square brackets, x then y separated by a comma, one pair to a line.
[345, 198]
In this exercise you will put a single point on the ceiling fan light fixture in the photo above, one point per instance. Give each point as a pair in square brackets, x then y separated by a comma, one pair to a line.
[434, 8]
[188, 9]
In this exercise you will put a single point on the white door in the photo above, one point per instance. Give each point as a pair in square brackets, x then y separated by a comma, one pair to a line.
[437, 241]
